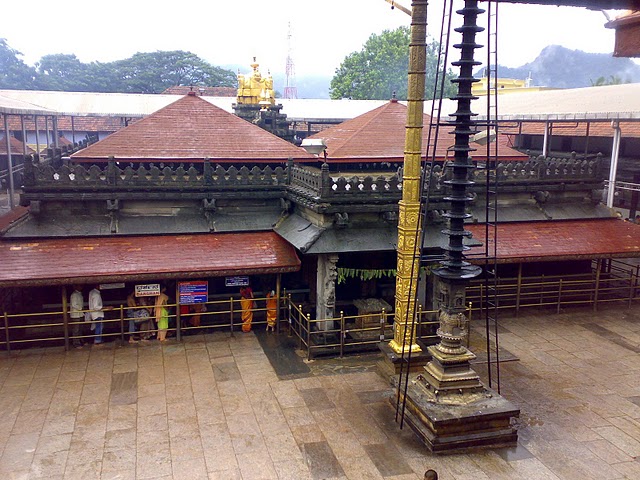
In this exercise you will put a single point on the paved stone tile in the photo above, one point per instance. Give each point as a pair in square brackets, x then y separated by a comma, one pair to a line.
[124, 388]
[189, 469]
[321, 460]
[213, 407]
[89, 469]
[387, 460]
[316, 399]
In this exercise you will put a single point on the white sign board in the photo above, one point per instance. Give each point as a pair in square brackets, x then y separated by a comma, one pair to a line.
[148, 290]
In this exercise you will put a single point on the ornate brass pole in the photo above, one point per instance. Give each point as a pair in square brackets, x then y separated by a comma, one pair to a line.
[409, 207]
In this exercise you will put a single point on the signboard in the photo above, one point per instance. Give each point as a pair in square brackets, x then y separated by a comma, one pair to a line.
[193, 292]
[148, 290]
[236, 281]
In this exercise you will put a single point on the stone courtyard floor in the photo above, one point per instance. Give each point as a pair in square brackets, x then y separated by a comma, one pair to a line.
[214, 407]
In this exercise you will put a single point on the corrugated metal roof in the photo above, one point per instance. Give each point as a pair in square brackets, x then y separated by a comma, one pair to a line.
[19, 105]
[90, 103]
[84, 260]
[603, 103]
[590, 103]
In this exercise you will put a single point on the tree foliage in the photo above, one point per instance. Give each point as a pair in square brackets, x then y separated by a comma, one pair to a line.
[611, 80]
[13, 70]
[141, 73]
[381, 68]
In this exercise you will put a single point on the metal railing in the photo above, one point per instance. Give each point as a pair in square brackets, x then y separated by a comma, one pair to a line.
[57, 327]
[609, 282]
[612, 282]
[353, 333]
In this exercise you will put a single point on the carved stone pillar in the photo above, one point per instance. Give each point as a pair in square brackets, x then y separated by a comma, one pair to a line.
[326, 290]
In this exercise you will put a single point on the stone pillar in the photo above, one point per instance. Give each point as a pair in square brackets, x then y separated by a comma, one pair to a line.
[326, 290]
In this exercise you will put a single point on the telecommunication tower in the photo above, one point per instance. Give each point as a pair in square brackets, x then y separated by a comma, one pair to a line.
[290, 89]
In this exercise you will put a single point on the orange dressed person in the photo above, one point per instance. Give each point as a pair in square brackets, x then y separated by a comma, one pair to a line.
[272, 311]
[246, 304]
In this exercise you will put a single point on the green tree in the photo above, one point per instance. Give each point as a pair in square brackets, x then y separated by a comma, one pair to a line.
[380, 69]
[14, 73]
[142, 73]
[62, 72]
[154, 72]
[612, 80]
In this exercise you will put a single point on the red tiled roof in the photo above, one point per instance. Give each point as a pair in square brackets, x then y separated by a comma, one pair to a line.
[88, 260]
[596, 129]
[16, 146]
[80, 123]
[191, 129]
[563, 240]
[379, 135]
[206, 91]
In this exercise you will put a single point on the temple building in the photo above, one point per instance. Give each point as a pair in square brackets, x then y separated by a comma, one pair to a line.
[256, 103]
[191, 191]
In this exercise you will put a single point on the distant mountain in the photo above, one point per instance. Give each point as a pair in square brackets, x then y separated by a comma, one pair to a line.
[560, 67]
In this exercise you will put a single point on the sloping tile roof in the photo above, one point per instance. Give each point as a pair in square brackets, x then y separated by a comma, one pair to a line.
[379, 135]
[563, 240]
[16, 146]
[80, 123]
[151, 257]
[595, 129]
[192, 129]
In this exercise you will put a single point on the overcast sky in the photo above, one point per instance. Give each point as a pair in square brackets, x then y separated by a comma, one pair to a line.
[227, 32]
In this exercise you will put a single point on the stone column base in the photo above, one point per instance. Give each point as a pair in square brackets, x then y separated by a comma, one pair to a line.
[391, 363]
[488, 422]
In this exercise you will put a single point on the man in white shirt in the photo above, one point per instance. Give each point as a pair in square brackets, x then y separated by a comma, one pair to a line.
[76, 304]
[96, 310]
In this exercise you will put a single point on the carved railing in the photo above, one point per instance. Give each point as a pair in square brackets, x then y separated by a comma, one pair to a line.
[313, 184]
[167, 177]
[545, 169]
[326, 187]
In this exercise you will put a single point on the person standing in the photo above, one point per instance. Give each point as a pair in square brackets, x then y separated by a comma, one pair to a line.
[161, 313]
[246, 305]
[76, 304]
[272, 311]
[96, 310]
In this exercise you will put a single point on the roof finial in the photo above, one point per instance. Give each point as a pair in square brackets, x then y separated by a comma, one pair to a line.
[393, 97]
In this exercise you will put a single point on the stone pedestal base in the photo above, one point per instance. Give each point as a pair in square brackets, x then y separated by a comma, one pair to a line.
[487, 422]
[391, 363]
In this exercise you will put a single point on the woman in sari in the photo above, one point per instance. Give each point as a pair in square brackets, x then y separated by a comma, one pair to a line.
[161, 313]
[272, 310]
[246, 304]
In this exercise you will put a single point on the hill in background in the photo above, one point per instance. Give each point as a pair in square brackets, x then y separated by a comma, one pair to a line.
[560, 67]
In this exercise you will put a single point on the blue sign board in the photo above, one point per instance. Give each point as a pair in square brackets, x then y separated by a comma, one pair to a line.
[193, 292]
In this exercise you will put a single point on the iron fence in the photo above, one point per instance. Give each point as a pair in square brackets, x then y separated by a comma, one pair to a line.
[609, 282]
